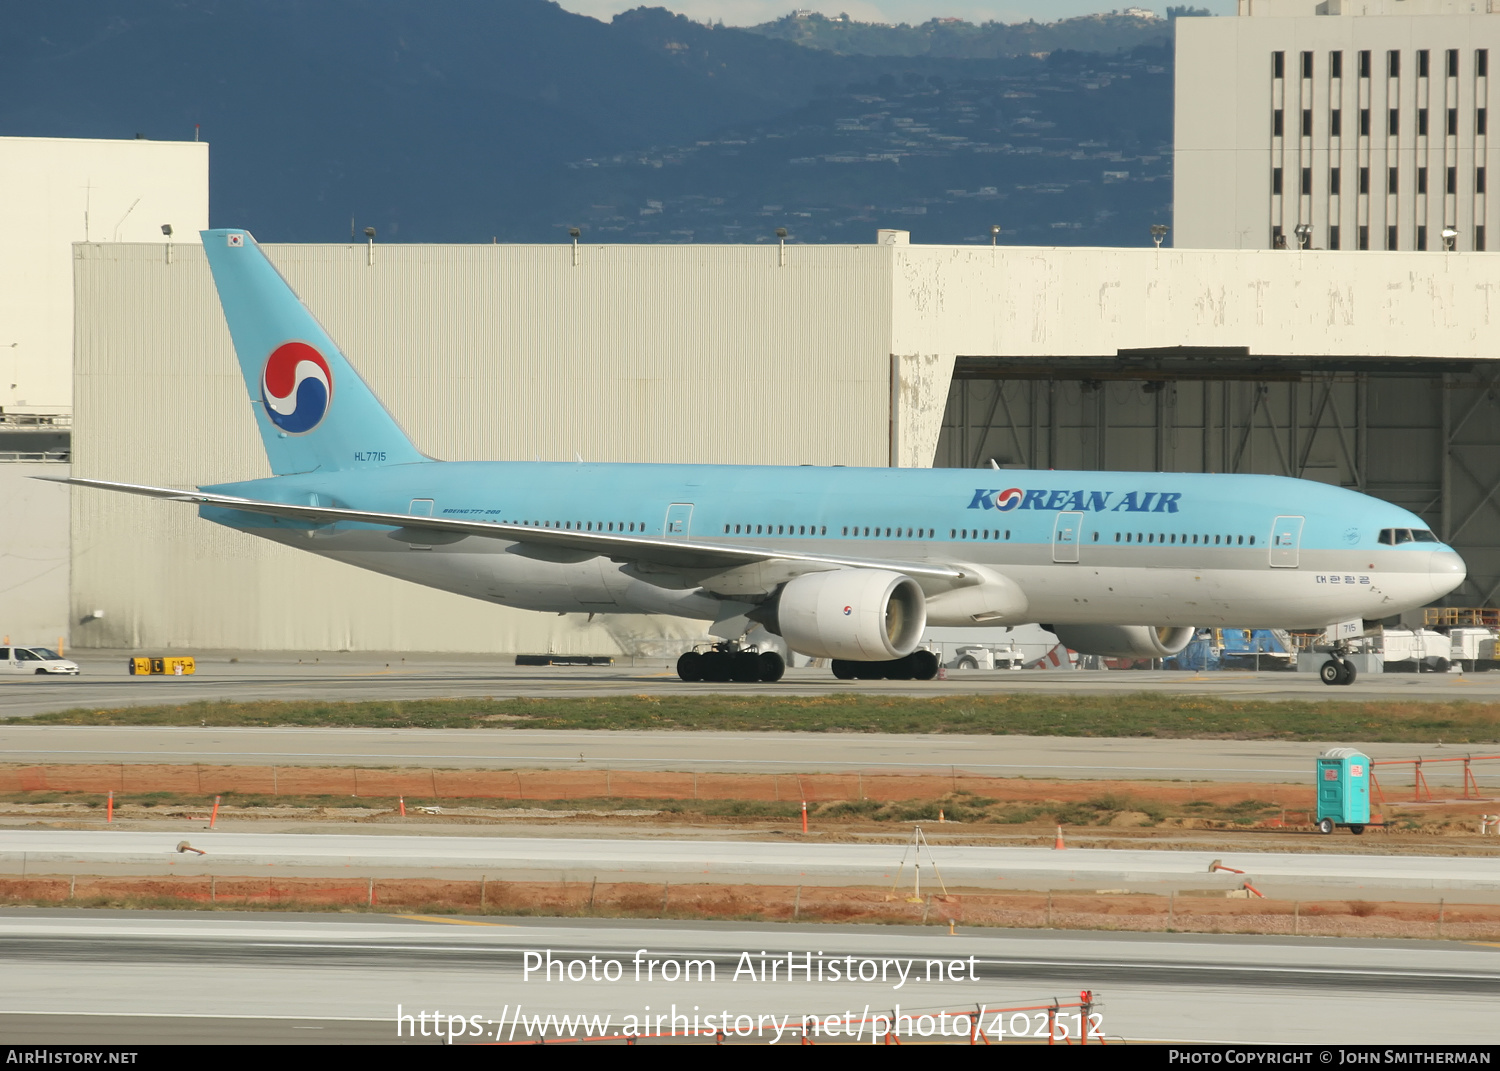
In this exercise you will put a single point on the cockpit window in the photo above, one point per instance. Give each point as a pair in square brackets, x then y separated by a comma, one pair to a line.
[1394, 536]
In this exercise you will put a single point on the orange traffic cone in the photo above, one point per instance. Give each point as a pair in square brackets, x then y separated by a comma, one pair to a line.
[1058, 845]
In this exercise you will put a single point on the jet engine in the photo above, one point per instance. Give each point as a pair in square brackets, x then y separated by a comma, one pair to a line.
[1123, 641]
[865, 615]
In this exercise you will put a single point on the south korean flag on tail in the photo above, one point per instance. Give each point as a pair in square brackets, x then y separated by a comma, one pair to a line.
[236, 239]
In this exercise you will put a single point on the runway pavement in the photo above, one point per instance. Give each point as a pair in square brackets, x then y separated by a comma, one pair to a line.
[105, 683]
[232, 978]
[736, 861]
[725, 752]
[1128, 758]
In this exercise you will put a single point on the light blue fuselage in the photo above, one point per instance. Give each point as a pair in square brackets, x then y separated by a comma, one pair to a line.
[1083, 547]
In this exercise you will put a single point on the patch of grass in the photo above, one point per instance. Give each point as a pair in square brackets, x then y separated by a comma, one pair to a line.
[1140, 715]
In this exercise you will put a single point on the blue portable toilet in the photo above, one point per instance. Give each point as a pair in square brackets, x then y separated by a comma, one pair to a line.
[1343, 789]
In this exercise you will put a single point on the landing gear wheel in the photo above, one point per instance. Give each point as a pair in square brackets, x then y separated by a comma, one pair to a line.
[1349, 673]
[1358, 831]
[1335, 671]
[718, 667]
[1325, 826]
[772, 666]
[924, 665]
[745, 667]
[690, 666]
[845, 670]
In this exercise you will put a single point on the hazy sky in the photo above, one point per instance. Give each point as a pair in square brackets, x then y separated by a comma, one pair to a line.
[751, 12]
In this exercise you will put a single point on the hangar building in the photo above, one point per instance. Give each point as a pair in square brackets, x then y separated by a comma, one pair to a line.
[1365, 370]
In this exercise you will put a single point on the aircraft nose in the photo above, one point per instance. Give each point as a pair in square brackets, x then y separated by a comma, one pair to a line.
[1446, 570]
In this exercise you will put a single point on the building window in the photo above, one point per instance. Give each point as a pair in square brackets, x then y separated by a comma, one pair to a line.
[1335, 65]
[1278, 240]
[1333, 180]
[1453, 122]
[1393, 122]
[1333, 237]
[1390, 237]
[1479, 239]
[1364, 236]
[1276, 125]
[1392, 185]
[1421, 122]
[1307, 122]
[1481, 120]
[1422, 63]
[1364, 64]
[1306, 181]
[1364, 180]
[1275, 181]
[1393, 63]
[1421, 180]
[1335, 123]
[1307, 65]
[1422, 237]
[1453, 180]
[1481, 63]
[1453, 63]
[1278, 64]
[1364, 122]
[1479, 180]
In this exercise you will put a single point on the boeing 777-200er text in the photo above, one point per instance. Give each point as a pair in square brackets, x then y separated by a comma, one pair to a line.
[842, 563]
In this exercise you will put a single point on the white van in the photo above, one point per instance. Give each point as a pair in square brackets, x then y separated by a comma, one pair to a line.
[35, 660]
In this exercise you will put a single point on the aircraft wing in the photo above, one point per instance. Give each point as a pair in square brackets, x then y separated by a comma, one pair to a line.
[678, 554]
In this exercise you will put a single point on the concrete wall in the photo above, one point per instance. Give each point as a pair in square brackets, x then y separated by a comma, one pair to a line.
[34, 554]
[637, 353]
[57, 191]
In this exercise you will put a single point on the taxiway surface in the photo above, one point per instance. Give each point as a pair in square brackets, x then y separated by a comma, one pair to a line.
[104, 682]
[1285, 875]
[237, 978]
[1128, 758]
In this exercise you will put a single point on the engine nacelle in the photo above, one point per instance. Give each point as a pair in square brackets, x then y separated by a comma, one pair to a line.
[1123, 641]
[864, 615]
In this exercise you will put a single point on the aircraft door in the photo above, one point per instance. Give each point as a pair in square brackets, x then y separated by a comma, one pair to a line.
[1067, 532]
[679, 524]
[1286, 542]
[420, 507]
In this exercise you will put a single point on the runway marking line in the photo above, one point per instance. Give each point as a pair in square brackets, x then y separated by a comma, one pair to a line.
[454, 922]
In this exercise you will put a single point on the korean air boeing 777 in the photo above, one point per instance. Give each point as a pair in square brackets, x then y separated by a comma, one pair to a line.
[842, 563]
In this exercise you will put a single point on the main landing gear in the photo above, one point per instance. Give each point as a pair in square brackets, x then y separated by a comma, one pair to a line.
[726, 662]
[917, 666]
[1337, 670]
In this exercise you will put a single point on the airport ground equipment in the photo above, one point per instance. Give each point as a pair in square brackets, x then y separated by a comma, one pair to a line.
[164, 665]
[1343, 789]
[985, 656]
[1472, 648]
[1414, 650]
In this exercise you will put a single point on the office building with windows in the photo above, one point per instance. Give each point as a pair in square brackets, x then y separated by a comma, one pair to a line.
[1336, 124]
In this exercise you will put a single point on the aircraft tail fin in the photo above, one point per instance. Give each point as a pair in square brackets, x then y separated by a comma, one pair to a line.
[313, 410]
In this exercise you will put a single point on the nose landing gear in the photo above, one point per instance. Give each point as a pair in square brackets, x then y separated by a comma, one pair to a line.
[726, 662]
[1338, 669]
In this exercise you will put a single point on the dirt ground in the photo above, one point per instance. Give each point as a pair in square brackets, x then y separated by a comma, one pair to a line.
[854, 806]
[431, 785]
[1323, 918]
